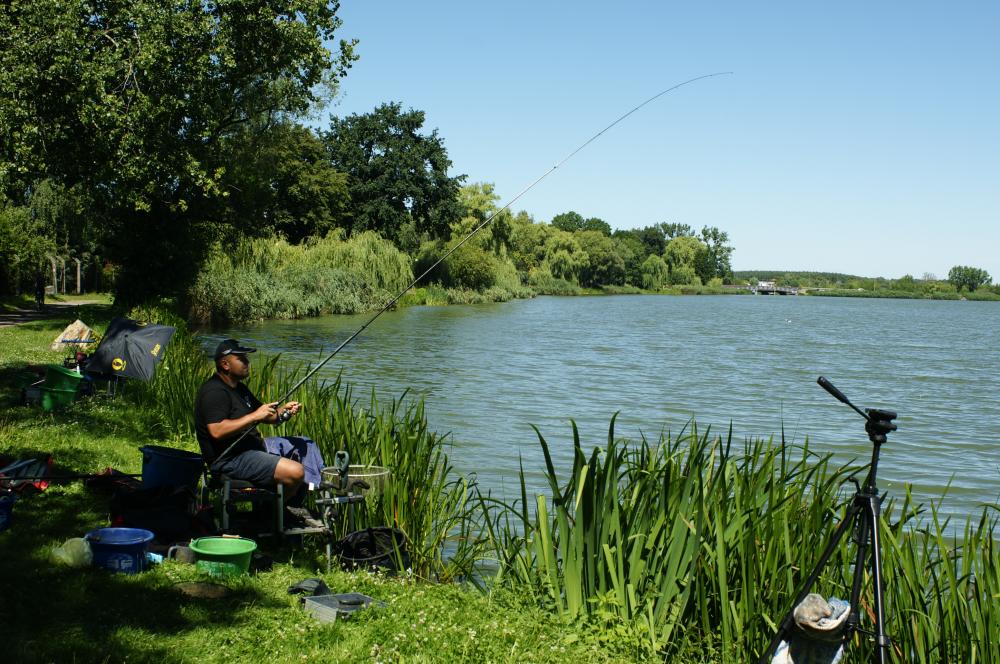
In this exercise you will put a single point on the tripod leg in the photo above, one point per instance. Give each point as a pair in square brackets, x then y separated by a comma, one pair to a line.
[882, 642]
[860, 556]
[785, 626]
[868, 535]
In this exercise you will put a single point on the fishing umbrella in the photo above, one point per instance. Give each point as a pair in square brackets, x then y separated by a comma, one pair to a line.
[130, 349]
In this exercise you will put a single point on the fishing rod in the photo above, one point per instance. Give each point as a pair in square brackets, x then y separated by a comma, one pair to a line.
[56, 478]
[388, 305]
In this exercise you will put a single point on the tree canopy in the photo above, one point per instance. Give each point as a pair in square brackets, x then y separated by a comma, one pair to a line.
[574, 221]
[397, 176]
[969, 278]
[134, 102]
[280, 181]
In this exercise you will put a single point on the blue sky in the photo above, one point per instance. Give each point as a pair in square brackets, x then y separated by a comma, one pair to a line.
[852, 137]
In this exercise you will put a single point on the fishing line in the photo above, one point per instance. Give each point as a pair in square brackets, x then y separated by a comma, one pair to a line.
[469, 236]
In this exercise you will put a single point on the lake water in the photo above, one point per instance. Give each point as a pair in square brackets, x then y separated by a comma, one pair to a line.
[487, 372]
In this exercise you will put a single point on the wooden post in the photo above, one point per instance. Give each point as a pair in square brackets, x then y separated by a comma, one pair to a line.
[55, 278]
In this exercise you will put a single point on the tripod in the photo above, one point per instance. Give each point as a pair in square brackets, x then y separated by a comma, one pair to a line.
[862, 518]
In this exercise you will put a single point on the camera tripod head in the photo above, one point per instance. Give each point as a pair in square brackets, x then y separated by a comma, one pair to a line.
[878, 422]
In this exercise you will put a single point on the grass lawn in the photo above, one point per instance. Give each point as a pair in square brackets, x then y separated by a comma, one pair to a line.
[53, 613]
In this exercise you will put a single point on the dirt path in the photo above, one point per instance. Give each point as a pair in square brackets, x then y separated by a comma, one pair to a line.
[52, 310]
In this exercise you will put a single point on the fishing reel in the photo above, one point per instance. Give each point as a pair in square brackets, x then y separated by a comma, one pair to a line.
[284, 416]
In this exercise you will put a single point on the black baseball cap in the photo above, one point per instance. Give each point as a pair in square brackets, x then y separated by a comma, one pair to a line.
[231, 347]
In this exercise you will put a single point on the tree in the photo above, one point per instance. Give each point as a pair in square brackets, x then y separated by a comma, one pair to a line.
[719, 253]
[653, 240]
[397, 176]
[563, 255]
[133, 102]
[528, 241]
[681, 257]
[479, 201]
[970, 278]
[671, 230]
[281, 182]
[596, 224]
[654, 273]
[631, 251]
[603, 266]
[568, 221]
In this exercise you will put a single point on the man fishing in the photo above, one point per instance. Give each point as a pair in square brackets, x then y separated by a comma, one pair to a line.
[226, 415]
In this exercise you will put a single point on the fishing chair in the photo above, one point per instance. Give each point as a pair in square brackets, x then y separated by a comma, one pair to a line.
[243, 506]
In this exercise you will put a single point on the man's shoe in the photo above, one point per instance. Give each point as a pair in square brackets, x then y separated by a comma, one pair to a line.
[301, 517]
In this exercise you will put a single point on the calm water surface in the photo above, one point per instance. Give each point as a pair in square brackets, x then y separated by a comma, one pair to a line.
[487, 372]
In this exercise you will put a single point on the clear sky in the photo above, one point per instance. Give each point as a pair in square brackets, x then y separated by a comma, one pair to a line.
[852, 137]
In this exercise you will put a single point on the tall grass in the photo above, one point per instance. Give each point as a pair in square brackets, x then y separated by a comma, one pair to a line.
[701, 546]
[424, 497]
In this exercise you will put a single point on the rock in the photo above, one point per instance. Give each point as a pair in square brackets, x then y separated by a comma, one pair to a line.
[77, 330]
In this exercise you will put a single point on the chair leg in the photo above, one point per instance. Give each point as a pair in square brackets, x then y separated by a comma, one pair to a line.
[227, 487]
[279, 509]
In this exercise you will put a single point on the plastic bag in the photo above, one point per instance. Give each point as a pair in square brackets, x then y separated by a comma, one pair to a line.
[74, 552]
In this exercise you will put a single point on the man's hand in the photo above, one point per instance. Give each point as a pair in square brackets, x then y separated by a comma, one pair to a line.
[267, 412]
[292, 407]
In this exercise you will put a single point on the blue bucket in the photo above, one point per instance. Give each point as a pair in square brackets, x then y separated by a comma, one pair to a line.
[119, 549]
[167, 466]
[6, 511]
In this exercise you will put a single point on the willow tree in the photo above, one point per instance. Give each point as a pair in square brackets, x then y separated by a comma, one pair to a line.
[133, 101]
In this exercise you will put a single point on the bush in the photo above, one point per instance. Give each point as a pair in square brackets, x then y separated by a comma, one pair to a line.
[470, 267]
[542, 281]
[263, 279]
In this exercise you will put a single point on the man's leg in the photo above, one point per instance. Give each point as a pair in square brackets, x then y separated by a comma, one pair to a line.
[303, 450]
[289, 474]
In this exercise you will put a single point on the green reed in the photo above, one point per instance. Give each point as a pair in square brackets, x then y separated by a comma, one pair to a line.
[424, 497]
[702, 547]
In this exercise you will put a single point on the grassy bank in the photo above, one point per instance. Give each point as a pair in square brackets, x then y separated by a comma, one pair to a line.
[57, 614]
[687, 547]
[982, 295]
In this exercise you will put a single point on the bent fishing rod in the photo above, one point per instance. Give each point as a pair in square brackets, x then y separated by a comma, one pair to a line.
[391, 303]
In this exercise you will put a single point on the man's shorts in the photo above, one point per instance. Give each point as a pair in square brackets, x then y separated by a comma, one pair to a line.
[254, 466]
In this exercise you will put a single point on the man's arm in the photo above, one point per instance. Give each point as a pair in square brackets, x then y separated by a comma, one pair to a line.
[266, 412]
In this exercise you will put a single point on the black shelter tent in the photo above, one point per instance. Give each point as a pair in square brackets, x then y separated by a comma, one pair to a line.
[130, 349]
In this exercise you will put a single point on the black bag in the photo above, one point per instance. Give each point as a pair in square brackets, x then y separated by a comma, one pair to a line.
[170, 513]
[374, 549]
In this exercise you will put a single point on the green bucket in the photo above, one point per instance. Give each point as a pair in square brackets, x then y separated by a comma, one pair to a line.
[61, 378]
[223, 556]
[55, 398]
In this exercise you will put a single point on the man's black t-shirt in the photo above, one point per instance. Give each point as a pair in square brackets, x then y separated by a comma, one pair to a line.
[215, 402]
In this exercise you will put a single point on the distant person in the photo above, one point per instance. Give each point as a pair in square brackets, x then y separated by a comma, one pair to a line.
[225, 410]
[39, 291]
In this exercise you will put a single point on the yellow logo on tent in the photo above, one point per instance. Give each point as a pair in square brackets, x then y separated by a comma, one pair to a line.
[118, 364]
[155, 351]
